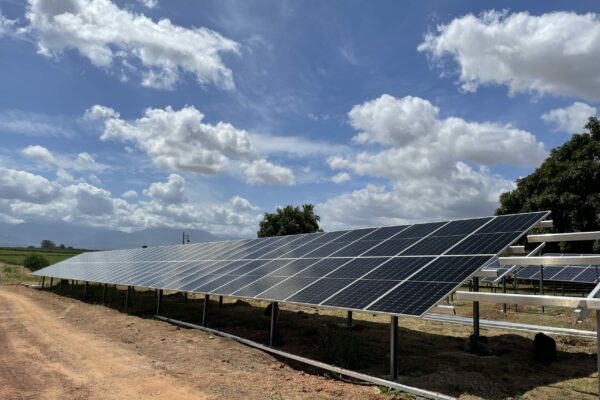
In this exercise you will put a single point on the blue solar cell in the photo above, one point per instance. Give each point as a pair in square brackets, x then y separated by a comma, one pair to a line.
[259, 286]
[432, 245]
[589, 275]
[294, 267]
[360, 294]
[461, 227]
[356, 249]
[390, 247]
[512, 223]
[235, 283]
[450, 269]
[484, 243]
[412, 298]
[419, 230]
[399, 268]
[323, 267]
[385, 232]
[319, 291]
[357, 268]
[527, 271]
[286, 288]
[568, 273]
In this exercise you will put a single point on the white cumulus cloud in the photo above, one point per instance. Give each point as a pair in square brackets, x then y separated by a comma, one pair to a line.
[570, 119]
[553, 53]
[178, 140]
[341, 177]
[82, 162]
[263, 172]
[25, 196]
[39, 153]
[435, 168]
[91, 200]
[241, 204]
[25, 186]
[149, 3]
[170, 192]
[7, 26]
[129, 194]
[111, 37]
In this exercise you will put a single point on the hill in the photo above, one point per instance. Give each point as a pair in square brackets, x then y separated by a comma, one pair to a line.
[83, 237]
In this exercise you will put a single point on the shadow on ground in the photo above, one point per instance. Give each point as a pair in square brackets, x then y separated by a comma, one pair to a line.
[428, 357]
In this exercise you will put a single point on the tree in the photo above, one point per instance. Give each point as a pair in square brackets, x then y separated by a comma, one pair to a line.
[568, 184]
[289, 221]
[33, 262]
[47, 244]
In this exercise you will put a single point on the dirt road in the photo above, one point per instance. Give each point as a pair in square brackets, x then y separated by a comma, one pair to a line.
[55, 347]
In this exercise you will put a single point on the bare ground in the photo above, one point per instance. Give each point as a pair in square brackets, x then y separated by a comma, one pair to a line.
[61, 347]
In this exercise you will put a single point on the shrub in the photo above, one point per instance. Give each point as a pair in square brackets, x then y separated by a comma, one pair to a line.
[33, 262]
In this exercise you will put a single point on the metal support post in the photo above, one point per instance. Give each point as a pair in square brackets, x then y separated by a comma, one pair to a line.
[220, 301]
[476, 310]
[542, 284]
[205, 309]
[71, 288]
[127, 299]
[349, 320]
[104, 293]
[598, 347]
[60, 283]
[51, 283]
[394, 348]
[516, 288]
[504, 291]
[85, 289]
[273, 331]
[43, 281]
[159, 301]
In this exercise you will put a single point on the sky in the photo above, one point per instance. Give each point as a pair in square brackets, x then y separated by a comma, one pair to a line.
[147, 113]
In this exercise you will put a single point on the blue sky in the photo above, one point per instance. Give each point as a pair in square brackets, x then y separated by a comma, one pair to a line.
[379, 113]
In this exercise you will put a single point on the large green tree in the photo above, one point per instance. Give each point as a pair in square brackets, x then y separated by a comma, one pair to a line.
[568, 184]
[289, 220]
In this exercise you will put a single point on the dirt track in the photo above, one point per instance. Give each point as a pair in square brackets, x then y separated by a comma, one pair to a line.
[59, 348]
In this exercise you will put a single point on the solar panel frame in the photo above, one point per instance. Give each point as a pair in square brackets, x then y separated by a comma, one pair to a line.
[241, 249]
[587, 274]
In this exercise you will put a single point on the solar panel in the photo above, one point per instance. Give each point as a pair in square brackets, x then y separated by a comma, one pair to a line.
[578, 274]
[399, 270]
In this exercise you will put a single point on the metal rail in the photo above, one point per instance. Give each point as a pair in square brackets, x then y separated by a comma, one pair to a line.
[545, 224]
[353, 374]
[527, 299]
[551, 260]
[564, 237]
[537, 250]
[550, 330]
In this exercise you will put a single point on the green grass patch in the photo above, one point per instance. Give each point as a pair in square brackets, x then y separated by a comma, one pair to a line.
[16, 255]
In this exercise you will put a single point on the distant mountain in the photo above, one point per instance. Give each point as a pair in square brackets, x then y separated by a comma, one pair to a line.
[85, 237]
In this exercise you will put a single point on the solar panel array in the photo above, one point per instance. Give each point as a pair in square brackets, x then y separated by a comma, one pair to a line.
[399, 270]
[556, 273]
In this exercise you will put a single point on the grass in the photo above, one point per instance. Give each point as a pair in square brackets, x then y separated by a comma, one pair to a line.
[15, 274]
[16, 255]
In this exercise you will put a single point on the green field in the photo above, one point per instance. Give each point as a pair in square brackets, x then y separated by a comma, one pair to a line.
[16, 255]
